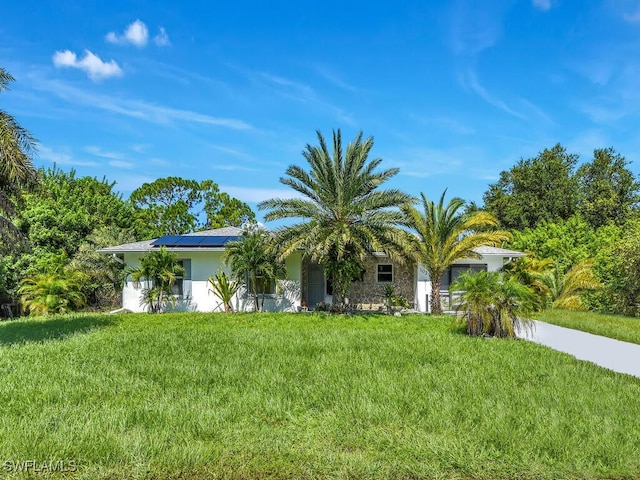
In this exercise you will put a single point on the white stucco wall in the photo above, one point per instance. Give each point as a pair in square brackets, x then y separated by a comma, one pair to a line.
[423, 288]
[204, 264]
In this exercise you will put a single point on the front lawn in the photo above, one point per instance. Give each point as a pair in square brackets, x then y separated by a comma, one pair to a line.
[622, 328]
[252, 396]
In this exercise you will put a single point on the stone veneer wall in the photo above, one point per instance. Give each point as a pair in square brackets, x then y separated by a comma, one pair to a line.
[370, 291]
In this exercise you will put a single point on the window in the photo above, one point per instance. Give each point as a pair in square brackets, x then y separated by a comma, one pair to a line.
[182, 286]
[265, 286]
[385, 273]
[454, 271]
[329, 287]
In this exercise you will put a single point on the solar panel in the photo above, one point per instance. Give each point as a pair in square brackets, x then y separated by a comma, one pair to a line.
[193, 241]
[166, 241]
[212, 241]
[190, 241]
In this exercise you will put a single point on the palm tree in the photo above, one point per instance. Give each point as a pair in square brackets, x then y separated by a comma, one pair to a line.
[254, 262]
[529, 271]
[157, 273]
[52, 293]
[342, 214]
[494, 304]
[446, 235]
[16, 169]
[565, 290]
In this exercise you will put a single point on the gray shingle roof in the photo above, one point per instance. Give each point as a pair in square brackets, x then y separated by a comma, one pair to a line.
[145, 245]
[500, 252]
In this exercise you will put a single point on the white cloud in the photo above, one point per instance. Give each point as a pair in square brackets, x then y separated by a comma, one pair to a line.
[121, 164]
[256, 195]
[162, 39]
[136, 34]
[153, 113]
[93, 65]
[98, 152]
[632, 17]
[475, 26]
[62, 158]
[544, 5]
[470, 80]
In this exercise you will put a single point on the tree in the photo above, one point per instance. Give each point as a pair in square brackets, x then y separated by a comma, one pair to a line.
[255, 262]
[64, 209]
[494, 304]
[535, 190]
[446, 235]
[173, 206]
[608, 189]
[17, 146]
[157, 273]
[343, 215]
[617, 266]
[104, 275]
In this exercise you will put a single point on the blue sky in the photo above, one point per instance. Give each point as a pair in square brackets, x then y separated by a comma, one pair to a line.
[453, 92]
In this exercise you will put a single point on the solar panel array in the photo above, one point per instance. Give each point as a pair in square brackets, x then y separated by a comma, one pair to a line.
[193, 241]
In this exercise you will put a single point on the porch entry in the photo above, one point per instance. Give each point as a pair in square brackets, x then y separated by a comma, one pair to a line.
[316, 285]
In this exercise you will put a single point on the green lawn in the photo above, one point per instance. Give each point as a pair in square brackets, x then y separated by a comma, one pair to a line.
[307, 396]
[622, 328]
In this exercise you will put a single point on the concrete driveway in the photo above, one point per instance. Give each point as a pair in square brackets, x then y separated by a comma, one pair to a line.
[622, 357]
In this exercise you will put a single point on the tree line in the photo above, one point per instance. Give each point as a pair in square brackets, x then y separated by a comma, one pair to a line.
[579, 224]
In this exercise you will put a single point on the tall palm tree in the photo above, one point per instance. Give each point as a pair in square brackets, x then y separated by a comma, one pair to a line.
[16, 169]
[255, 263]
[446, 235]
[343, 215]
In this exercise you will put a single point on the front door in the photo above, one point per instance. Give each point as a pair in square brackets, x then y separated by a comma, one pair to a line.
[315, 285]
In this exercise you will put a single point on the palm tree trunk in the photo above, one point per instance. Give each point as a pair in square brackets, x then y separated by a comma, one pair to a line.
[254, 281]
[338, 299]
[436, 305]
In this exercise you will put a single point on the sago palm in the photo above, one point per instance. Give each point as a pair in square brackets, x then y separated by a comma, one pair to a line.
[52, 293]
[16, 169]
[565, 290]
[494, 304]
[342, 213]
[446, 235]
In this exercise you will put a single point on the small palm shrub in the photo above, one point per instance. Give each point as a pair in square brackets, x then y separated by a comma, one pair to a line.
[52, 293]
[494, 304]
[565, 290]
[224, 288]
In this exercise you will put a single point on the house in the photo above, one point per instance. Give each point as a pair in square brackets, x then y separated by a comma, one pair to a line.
[201, 255]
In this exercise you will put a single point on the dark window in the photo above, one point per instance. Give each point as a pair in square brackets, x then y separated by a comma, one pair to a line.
[454, 271]
[181, 287]
[385, 273]
[265, 286]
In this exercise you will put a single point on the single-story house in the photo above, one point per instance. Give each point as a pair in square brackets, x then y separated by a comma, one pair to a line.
[201, 255]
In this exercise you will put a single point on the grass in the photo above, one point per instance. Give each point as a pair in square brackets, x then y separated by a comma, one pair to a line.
[622, 328]
[252, 396]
